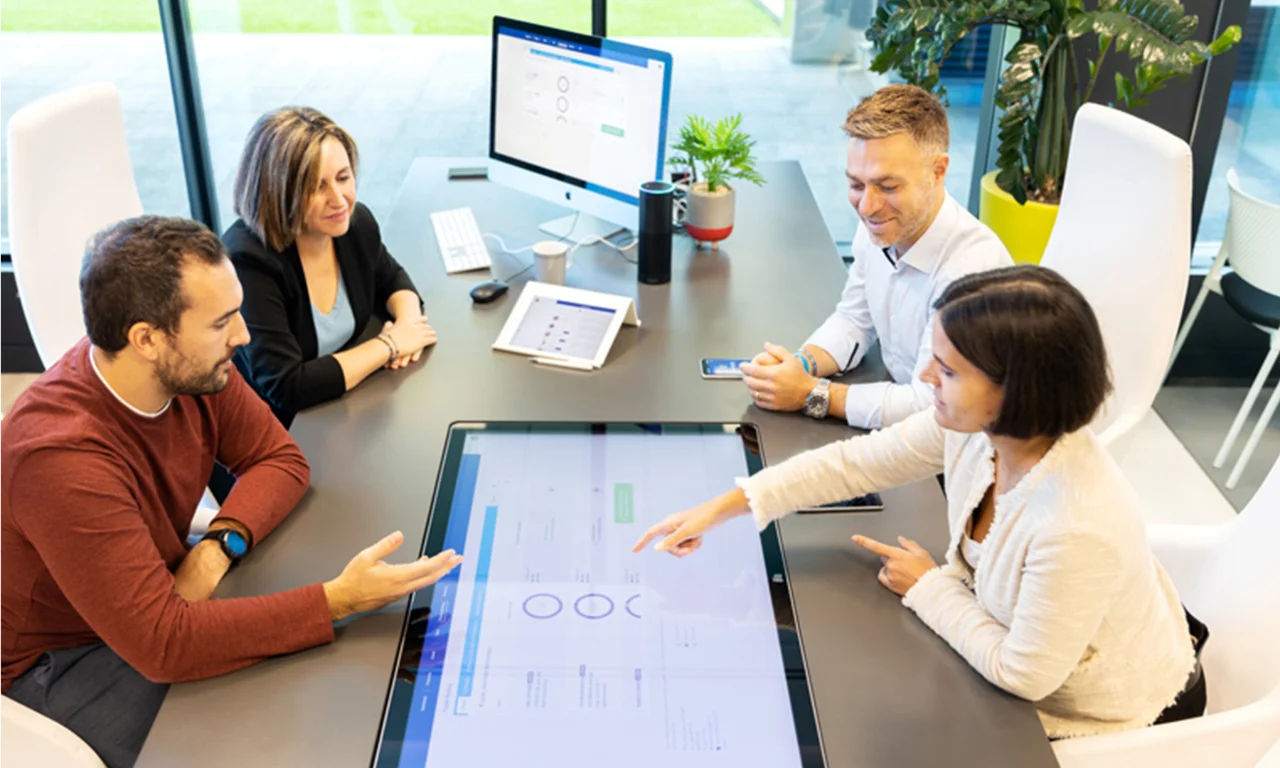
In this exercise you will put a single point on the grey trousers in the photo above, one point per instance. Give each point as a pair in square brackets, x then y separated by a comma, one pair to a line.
[97, 696]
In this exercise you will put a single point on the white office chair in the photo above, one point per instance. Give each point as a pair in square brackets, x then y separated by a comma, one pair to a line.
[1272, 758]
[32, 740]
[1252, 246]
[69, 178]
[1228, 576]
[1132, 264]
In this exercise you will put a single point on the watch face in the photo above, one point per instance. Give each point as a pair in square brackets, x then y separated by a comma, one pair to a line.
[236, 543]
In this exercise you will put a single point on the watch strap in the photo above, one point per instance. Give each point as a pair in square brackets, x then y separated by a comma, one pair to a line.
[221, 535]
[818, 403]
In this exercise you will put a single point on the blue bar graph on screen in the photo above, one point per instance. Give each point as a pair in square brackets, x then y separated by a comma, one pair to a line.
[427, 686]
[471, 647]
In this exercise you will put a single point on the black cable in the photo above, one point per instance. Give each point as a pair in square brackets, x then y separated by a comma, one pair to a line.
[521, 272]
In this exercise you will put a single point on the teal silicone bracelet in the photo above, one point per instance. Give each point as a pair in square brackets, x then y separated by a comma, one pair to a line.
[803, 361]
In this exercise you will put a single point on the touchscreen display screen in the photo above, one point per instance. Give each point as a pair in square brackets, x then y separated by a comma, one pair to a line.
[554, 644]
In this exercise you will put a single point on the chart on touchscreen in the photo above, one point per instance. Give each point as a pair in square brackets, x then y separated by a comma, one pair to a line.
[555, 645]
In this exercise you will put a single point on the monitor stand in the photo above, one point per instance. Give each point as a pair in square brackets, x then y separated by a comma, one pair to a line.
[580, 226]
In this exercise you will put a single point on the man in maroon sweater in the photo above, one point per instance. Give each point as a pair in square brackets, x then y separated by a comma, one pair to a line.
[105, 458]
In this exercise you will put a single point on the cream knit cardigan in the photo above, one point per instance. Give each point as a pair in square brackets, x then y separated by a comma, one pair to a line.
[1068, 608]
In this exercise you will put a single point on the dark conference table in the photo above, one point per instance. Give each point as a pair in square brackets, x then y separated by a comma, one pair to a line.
[888, 691]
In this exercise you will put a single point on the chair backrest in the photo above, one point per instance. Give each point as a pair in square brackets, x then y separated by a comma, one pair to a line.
[1123, 238]
[32, 740]
[69, 177]
[1238, 597]
[1272, 758]
[1253, 230]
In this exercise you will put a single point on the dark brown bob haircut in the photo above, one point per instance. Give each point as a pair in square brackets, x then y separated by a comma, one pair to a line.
[1034, 335]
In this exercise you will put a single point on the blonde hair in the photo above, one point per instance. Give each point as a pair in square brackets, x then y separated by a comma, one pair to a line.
[280, 171]
[898, 109]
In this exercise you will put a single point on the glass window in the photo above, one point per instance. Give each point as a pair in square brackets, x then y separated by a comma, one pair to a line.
[1250, 140]
[54, 45]
[406, 78]
[793, 69]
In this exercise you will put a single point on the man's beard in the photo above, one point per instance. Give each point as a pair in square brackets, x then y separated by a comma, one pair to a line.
[908, 230]
[179, 376]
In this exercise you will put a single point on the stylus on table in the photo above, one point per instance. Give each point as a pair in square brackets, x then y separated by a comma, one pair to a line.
[562, 363]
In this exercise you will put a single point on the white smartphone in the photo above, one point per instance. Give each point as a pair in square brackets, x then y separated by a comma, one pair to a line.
[722, 367]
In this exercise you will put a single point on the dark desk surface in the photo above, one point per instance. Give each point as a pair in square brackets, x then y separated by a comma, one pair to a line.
[888, 691]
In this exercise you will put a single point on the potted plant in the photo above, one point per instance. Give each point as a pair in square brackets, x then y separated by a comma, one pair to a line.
[1043, 84]
[723, 152]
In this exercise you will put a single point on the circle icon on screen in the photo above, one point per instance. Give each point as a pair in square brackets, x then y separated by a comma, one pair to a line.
[542, 606]
[593, 605]
[632, 606]
[563, 84]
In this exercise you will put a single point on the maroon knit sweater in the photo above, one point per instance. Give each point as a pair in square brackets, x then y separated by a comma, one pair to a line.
[95, 506]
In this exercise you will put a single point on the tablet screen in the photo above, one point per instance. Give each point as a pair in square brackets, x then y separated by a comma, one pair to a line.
[554, 645]
[564, 328]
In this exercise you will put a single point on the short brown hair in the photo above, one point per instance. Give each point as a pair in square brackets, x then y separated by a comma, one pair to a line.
[897, 109]
[1033, 334]
[132, 273]
[280, 169]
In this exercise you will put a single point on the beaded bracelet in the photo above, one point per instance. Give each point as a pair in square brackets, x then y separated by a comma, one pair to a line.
[393, 351]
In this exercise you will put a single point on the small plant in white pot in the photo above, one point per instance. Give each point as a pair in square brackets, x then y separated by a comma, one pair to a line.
[721, 152]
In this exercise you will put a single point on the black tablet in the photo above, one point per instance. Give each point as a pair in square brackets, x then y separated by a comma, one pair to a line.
[552, 644]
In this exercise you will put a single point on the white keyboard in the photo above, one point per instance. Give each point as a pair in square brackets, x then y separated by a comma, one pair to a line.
[460, 241]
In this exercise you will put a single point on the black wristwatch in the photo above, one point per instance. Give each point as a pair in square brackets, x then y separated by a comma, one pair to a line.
[233, 544]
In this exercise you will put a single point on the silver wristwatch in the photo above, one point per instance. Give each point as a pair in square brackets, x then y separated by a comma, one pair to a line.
[818, 402]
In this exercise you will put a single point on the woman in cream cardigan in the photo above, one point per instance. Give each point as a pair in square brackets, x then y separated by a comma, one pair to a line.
[1049, 589]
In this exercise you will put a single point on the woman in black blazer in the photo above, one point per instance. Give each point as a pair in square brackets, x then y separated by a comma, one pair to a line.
[313, 267]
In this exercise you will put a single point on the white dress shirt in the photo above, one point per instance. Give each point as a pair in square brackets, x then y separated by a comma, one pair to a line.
[892, 300]
[1066, 606]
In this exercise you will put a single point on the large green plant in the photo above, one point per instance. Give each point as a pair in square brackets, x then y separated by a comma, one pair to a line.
[722, 150]
[1043, 86]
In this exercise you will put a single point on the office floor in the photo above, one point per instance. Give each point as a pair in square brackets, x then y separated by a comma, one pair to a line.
[1200, 418]
[1169, 461]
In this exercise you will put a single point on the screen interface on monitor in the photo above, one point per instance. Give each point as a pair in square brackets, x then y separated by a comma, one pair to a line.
[593, 113]
[553, 644]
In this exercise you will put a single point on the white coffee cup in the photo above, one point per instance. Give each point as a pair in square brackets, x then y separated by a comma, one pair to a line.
[551, 260]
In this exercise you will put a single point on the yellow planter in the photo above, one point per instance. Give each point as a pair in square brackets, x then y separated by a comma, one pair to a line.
[1024, 229]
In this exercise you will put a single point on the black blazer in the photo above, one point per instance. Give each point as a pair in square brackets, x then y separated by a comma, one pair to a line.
[280, 360]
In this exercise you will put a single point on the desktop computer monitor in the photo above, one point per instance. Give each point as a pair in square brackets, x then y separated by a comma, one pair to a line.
[576, 119]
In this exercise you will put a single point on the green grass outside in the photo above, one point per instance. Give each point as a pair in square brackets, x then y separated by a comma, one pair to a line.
[647, 18]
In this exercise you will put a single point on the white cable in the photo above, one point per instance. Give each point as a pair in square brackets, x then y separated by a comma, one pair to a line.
[594, 239]
[503, 245]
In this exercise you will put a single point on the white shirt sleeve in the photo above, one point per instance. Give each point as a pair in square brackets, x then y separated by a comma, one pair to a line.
[1067, 586]
[911, 450]
[849, 331]
[884, 403]
[881, 404]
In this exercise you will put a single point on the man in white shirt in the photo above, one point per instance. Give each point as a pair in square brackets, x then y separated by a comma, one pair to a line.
[915, 239]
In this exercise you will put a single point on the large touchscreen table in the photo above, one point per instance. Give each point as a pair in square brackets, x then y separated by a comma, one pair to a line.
[553, 644]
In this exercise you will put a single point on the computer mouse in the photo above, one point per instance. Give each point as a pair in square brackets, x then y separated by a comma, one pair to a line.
[488, 291]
